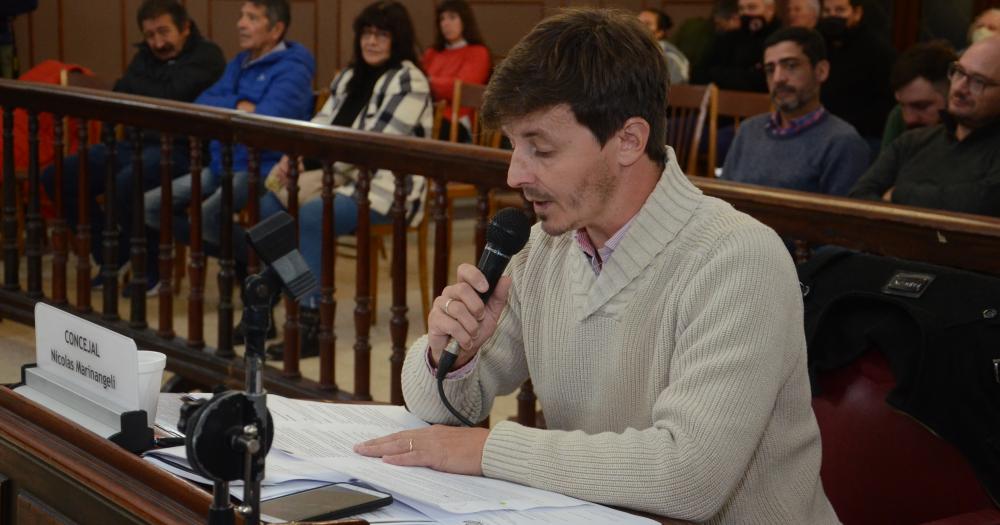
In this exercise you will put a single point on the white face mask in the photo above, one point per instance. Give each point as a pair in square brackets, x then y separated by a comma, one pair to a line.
[979, 34]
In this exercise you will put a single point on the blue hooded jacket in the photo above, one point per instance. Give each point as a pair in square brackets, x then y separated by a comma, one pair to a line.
[279, 84]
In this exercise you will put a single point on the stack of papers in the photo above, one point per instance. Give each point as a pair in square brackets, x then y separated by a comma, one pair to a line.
[313, 446]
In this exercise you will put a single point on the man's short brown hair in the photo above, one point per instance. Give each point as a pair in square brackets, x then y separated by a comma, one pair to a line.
[602, 63]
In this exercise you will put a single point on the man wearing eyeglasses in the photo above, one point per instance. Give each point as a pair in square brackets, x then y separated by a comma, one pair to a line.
[954, 165]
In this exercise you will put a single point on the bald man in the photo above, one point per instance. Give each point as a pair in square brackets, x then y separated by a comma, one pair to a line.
[953, 165]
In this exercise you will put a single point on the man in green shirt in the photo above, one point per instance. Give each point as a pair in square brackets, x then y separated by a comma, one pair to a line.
[954, 165]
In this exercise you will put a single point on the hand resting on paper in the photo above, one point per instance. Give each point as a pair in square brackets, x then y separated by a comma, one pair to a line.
[457, 450]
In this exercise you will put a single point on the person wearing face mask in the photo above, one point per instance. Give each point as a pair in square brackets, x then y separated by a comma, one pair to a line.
[987, 24]
[734, 60]
[458, 53]
[800, 146]
[860, 62]
[953, 165]
[383, 91]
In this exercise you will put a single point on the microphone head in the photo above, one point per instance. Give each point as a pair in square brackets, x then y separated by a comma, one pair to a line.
[508, 231]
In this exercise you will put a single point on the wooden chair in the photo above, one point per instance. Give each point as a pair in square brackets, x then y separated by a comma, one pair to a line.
[686, 113]
[381, 232]
[734, 105]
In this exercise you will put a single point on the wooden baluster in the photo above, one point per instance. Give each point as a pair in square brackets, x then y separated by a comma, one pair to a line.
[33, 217]
[526, 405]
[137, 303]
[253, 206]
[83, 222]
[225, 348]
[11, 259]
[196, 265]
[166, 262]
[327, 304]
[482, 218]
[59, 221]
[363, 299]
[290, 357]
[109, 239]
[398, 324]
[442, 248]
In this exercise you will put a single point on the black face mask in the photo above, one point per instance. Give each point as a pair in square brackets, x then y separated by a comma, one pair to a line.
[752, 23]
[832, 27]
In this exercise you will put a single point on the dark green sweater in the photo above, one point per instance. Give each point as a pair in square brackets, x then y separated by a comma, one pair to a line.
[929, 167]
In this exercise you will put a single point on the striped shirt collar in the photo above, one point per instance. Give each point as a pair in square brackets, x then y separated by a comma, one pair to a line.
[796, 126]
[598, 256]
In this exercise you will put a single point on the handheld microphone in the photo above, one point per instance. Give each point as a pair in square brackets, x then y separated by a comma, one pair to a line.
[506, 234]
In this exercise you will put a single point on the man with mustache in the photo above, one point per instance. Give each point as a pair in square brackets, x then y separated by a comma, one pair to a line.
[954, 165]
[173, 62]
[801, 146]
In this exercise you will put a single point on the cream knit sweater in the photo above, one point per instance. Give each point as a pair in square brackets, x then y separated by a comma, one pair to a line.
[674, 382]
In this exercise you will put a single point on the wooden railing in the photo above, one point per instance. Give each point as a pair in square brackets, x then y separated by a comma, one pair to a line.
[957, 240]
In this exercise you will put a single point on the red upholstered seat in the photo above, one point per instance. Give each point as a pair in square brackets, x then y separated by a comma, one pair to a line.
[881, 466]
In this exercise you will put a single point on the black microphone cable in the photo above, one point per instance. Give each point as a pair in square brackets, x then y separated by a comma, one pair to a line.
[506, 234]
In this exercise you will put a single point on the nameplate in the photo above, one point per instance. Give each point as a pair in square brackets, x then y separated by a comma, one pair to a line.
[87, 358]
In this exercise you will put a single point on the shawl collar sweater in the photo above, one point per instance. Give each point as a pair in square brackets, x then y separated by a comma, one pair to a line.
[673, 382]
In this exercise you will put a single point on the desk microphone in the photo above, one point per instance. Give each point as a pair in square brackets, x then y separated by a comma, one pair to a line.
[506, 234]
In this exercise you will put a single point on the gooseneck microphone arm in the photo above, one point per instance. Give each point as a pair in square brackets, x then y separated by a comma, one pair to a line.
[506, 234]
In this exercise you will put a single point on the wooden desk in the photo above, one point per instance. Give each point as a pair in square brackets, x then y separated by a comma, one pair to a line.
[54, 471]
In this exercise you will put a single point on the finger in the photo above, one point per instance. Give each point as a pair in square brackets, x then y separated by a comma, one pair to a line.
[470, 274]
[470, 300]
[446, 325]
[457, 310]
[498, 300]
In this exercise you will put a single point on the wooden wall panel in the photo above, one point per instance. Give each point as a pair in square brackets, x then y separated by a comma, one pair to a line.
[6, 511]
[99, 33]
[82, 22]
[32, 511]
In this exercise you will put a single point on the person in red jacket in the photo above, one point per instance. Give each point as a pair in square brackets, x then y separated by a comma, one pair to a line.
[458, 52]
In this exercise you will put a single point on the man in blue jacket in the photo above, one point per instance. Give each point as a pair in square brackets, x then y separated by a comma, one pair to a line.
[271, 76]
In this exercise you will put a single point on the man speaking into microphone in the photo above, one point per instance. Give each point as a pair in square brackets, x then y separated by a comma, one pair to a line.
[661, 328]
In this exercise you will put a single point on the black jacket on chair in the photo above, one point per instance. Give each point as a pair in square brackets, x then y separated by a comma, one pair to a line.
[938, 327]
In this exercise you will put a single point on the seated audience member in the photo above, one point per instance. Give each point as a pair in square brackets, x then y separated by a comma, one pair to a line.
[919, 80]
[684, 314]
[803, 13]
[953, 165]
[987, 24]
[271, 76]
[458, 53]
[382, 90]
[172, 62]
[800, 146]
[659, 25]
[860, 60]
[734, 59]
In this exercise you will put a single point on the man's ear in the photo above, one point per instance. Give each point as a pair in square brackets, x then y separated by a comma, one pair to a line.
[632, 139]
[822, 70]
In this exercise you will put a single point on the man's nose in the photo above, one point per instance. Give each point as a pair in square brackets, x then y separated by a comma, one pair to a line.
[518, 173]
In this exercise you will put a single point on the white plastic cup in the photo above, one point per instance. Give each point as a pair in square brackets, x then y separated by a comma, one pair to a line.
[151, 365]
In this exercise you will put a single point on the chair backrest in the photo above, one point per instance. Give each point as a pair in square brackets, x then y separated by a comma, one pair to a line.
[686, 114]
[734, 106]
[881, 466]
[69, 77]
[469, 95]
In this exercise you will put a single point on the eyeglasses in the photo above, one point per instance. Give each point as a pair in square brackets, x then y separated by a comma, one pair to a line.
[376, 33]
[977, 83]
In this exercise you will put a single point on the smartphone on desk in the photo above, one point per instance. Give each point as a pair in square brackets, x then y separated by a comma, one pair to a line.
[338, 500]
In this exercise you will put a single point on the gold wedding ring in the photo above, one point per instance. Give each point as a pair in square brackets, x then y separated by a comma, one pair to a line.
[411, 445]
[447, 304]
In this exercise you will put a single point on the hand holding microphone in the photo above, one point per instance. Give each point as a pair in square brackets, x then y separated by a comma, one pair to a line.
[465, 314]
